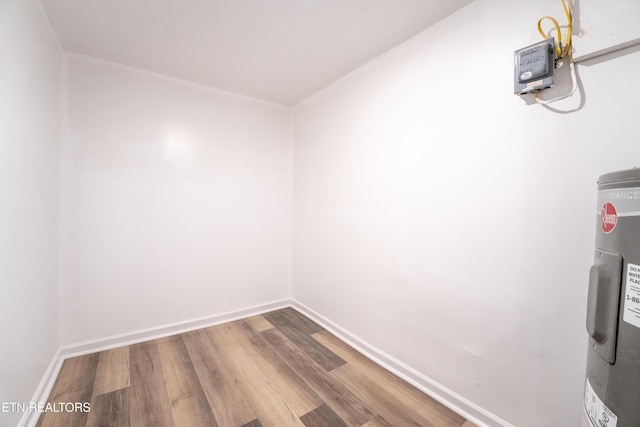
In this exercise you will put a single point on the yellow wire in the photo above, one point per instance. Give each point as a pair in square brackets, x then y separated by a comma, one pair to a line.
[545, 36]
[569, 16]
[560, 51]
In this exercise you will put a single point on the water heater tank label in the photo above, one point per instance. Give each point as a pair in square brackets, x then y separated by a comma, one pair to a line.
[632, 296]
[620, 202]
[598, 415]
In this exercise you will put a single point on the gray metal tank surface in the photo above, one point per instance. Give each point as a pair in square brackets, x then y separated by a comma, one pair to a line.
[612, 385]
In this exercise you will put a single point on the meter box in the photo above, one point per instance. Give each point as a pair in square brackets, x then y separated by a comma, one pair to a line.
[534, 66]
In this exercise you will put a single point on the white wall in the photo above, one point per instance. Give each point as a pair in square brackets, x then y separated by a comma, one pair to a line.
[429, 219]
[451, 224]
[31, 67]
[175, 202]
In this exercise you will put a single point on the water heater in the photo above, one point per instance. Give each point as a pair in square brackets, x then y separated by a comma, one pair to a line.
[612, 386]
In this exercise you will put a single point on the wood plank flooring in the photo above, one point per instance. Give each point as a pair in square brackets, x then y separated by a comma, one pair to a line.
[278, 369]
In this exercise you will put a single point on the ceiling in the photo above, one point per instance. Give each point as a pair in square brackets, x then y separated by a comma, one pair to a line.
[277, 50]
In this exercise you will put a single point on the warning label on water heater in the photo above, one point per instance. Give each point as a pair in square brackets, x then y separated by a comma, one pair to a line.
[598, 414]
[632, 296]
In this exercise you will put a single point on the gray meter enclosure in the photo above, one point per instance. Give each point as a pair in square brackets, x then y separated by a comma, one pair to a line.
[612, 386]
[534, 67]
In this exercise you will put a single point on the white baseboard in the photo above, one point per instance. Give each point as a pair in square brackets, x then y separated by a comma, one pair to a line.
[449, 398]
[142, 335]
[30, 418]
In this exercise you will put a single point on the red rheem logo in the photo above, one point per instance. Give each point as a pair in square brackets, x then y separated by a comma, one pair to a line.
[608, 217]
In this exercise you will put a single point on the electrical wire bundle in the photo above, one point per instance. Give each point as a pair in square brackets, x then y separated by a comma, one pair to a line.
[561, 51]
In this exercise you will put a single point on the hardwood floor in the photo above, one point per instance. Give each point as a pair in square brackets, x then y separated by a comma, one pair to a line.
[279, 369]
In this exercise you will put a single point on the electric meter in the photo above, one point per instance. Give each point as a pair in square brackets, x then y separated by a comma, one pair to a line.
[534, 65]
